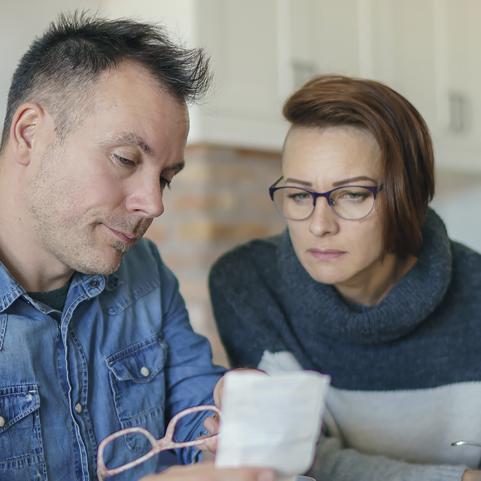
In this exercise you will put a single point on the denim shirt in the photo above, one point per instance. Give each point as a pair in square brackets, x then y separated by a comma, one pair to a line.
[122, 353]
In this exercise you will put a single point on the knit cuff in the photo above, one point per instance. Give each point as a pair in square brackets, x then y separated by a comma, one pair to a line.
[438, 473]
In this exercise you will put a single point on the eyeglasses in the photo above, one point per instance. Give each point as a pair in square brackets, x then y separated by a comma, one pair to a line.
[137, 436]
[350, 202]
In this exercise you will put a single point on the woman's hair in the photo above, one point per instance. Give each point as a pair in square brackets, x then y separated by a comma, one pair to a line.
[404, 141]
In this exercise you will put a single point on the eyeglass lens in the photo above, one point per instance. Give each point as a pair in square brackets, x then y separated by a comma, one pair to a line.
[186, 424]
[126, 449]
[350, 202]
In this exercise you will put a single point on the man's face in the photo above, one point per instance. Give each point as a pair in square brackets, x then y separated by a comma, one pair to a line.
[333, 250]
[91, 196]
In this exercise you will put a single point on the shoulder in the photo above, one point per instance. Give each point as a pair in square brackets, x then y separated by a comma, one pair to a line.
[247, 260]
[466, 263]
[143, 262]
[143, 255]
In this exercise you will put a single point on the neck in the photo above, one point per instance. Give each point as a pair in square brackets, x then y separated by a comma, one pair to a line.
[372, 285]
[20, 249]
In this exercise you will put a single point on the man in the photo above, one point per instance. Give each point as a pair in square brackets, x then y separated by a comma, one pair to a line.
[94, 335]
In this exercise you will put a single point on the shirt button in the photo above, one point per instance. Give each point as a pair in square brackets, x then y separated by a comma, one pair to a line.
[145, 371]
[94, 284]
[2, 421]
[78, 408]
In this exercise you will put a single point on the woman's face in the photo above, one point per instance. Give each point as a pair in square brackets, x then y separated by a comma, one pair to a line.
[344, 253]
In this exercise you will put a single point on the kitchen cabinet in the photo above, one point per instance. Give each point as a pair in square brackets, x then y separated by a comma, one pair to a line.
[262, 51]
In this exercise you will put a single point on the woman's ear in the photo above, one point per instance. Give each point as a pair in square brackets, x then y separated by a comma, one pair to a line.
[25, 125]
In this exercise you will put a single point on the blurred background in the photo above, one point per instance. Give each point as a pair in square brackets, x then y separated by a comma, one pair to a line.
[261, 51]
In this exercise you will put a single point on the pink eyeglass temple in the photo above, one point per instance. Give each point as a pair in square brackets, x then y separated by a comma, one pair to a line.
[158, 445]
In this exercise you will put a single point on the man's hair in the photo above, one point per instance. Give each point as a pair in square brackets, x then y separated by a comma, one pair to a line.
[60, 67]
[403, 138]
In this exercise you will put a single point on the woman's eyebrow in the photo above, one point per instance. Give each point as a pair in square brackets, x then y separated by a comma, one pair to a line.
[335, 184]
[297, 181]
[353, 179]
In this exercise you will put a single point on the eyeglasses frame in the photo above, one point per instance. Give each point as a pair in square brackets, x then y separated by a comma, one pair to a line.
[158, 445]
[327, 195]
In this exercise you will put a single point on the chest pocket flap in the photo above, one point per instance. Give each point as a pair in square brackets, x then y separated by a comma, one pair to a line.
[21, 448]
[16, 403]
[139, 363]
[137, 379]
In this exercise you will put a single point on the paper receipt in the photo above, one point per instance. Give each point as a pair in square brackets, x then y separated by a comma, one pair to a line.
[271, 421]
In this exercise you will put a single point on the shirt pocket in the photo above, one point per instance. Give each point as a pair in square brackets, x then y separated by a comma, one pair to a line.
[21, 447]
[137, 380]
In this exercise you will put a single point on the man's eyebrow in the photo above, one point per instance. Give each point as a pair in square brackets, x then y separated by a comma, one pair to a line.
[130, 138]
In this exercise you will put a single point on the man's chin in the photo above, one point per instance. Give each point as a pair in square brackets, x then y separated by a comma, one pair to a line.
[105, 266]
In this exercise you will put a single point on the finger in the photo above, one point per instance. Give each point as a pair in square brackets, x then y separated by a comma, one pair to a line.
[209, 445]
[218, 391]
[212, 424]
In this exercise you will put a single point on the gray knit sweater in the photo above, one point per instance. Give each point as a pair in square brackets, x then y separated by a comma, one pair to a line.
[405, 374]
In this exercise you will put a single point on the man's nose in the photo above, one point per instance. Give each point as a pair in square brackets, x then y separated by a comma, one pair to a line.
[147, 200]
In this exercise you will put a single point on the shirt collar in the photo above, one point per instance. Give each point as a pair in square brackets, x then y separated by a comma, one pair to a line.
[10, 289]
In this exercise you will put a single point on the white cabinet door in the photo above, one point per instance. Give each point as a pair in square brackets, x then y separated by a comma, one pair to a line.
[459, 138]
[262, 51]
[244, 107]
[427, 50]
[402, 37]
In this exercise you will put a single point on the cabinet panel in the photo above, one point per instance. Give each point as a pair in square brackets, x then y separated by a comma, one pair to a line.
[403, 51]
[242, 39]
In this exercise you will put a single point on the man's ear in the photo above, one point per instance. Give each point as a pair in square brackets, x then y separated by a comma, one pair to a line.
[25, 127]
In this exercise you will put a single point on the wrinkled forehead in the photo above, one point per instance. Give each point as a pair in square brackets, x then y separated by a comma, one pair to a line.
[342, 149]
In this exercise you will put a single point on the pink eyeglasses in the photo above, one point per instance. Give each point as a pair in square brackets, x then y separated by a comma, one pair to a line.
[157, 445]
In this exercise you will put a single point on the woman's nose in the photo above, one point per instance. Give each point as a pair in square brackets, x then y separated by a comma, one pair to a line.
[323, 220]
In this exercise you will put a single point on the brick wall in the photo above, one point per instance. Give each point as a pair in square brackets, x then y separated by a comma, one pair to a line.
[218, 201]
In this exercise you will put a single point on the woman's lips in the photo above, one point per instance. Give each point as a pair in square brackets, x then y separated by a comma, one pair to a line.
[325, 254]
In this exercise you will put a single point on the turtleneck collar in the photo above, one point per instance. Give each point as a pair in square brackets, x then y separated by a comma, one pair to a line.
[318, 309]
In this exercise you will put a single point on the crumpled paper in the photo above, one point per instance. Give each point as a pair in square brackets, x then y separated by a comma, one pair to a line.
[271, 421]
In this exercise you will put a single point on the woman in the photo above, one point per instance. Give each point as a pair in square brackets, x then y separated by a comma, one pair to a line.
[364, 285]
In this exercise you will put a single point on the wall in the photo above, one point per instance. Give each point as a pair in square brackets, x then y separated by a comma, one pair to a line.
[20, 22]
[458, 201]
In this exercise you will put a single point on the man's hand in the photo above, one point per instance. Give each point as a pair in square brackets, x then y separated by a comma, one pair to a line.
[471, 475]
[208, 472]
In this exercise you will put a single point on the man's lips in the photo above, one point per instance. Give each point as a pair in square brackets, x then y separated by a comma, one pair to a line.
[326, 254]
[126, 237]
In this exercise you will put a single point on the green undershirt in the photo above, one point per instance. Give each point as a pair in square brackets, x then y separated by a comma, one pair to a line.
[54, 299]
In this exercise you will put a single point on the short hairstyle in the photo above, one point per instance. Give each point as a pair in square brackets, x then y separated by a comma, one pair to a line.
[402, 135]
[61, 66]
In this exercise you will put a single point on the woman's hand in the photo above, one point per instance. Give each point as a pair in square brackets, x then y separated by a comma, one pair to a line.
[471, 475]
